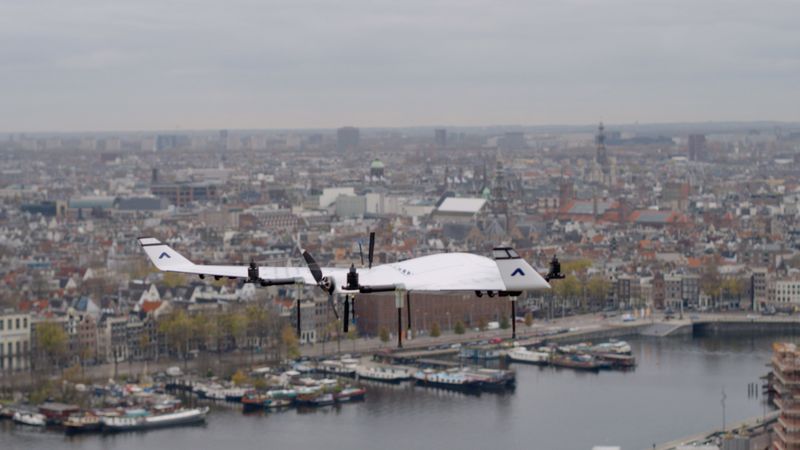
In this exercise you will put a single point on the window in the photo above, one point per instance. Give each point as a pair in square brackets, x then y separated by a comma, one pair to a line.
[1, 324]
[18, 323]
[25, 323]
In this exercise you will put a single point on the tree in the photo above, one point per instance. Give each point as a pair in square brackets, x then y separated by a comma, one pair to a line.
[576, 266]
[178, 329]
[173, 279]
[459, 328]
[352, 335]
[239, 378]
[504, 323]
[52, 342]
[234, 324]
[290, 342]
[482, 325]
[436, 330]
[528, 319]
[597, 288]
[710, 282]
[568, 288]
[383, 334]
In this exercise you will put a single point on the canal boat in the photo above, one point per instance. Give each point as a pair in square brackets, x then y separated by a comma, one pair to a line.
[492, 379]
[339, 368]
[316, 399]
[234, 395]
[457, 381]
[523, 355]
[579, 362]
[6, 413]
[33, 419]
[278, 403]
[616, 347]
[479, 353]
[350, 394]
[146, 422]
[617, 360]
[82, 423]
[386, 374]
[253, 401]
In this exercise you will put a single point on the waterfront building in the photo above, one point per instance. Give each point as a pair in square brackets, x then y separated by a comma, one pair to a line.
[783, 292]
[379, 310]
[786, 367]
[15, 340]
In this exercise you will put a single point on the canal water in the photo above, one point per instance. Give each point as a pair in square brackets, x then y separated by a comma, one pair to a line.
[675, 391]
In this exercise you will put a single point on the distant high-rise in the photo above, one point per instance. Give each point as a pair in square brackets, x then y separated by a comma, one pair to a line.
[440, 135]
[513, 140]
[601, 154]
[347, 138]
[697, 147]
[223, 139]
[166, 142]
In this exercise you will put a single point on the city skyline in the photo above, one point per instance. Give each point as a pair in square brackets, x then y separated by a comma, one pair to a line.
[254, 65]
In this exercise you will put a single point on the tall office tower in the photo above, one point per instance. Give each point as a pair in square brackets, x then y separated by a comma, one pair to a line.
[513, 140]
[697, 147]
[440, 135]
[223, 139]
[347, 139]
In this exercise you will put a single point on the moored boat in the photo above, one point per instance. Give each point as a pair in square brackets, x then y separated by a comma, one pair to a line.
[350, 394]
[29, 418]
[387, 374]
[317, 399]
[82, 423]
[580, 362]
[492, 379]
[447, 380]
[147, 422]
[523, 355]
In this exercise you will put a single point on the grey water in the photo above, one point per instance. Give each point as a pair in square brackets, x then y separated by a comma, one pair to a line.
[675, 391]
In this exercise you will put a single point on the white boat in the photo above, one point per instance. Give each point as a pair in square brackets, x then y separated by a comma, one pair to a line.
[618, 347]
[522, 354]
[386, 374]
[175, 418]
[30, 418]
[337, 368]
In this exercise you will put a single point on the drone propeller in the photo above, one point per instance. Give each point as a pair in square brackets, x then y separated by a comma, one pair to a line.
[555, 270]
[371, 249]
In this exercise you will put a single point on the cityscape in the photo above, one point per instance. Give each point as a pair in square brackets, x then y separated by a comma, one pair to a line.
[652, 224]
[557, 225]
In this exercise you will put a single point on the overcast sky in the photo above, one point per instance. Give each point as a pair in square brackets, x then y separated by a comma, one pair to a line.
[164, 64]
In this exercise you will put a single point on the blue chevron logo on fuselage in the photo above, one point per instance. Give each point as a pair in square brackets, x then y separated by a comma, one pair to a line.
[518, 271]
[163, 254]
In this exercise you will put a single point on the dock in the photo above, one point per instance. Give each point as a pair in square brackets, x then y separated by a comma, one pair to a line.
[752, 426]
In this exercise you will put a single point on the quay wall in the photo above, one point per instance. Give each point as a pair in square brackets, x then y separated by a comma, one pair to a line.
[744, 327]
[594, 335]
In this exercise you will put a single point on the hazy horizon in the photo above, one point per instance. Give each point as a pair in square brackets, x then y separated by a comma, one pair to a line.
[245, 64]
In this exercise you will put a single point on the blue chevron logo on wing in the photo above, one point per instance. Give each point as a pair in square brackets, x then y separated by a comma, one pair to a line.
[164, 254]
[517, 272]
